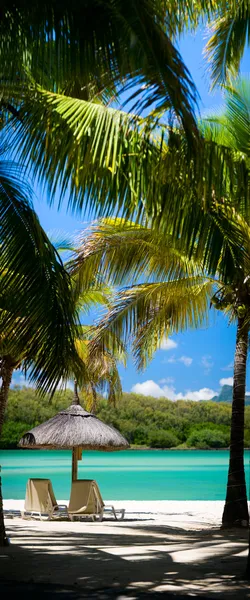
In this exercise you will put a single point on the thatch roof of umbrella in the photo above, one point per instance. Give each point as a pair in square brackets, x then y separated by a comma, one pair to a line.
[74, 427]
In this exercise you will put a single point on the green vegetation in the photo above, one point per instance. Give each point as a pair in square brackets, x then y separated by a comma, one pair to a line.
[145, 421]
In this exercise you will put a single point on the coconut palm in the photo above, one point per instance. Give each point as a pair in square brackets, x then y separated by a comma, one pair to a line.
[174, 293]
[215, 235]
[234, 127]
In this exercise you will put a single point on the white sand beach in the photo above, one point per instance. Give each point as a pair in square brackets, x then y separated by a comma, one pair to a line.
[200, 514]
[163, 546]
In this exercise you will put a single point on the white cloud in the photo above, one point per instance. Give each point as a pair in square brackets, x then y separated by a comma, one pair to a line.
[170, 360]
[166, 380]
[207, 363]
[226, 381]
[168, 344]
[151, 388]
[186, 360]
[202, 394]
[228, 367]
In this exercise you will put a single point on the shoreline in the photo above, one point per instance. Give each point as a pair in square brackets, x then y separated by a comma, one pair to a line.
[131, 448]
[198, 513]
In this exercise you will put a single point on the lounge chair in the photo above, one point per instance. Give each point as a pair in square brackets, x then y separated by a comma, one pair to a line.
[86, 501]
[40, 500]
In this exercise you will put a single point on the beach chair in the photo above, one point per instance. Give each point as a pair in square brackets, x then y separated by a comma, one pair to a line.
[86, 501]
[40, 500]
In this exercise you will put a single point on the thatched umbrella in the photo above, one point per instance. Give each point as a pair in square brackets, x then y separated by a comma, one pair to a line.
[74, 428]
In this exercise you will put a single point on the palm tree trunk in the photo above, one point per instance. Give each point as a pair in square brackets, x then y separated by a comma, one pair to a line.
[6, 370]
[236, 510]
[247, 572]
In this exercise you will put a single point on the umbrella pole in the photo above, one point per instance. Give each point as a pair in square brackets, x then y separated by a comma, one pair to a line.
[74, 464]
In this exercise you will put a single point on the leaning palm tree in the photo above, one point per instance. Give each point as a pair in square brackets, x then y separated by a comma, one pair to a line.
[175, 294]
[212, 229]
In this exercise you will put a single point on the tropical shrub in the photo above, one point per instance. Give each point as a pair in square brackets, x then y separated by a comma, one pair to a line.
[163, 439]
[208, 438]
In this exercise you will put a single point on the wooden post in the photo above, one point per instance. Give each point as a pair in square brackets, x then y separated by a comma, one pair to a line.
[74, 464]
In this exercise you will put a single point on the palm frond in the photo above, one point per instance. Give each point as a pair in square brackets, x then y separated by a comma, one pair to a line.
[90, 298]
[230, 33]
[196, 197]
[232, 127]
[101, 155]
[38, 316]
[237, 114]
[123, 251]
[113, 163]
[100, 371]
[148, 312]
[70, 47]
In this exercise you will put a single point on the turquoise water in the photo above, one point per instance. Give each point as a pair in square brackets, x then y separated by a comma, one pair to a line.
[131, 475]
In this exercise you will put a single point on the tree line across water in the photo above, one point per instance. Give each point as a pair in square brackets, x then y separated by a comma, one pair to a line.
[144, 421]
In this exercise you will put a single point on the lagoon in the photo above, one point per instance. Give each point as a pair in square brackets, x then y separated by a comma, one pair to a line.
[128, 475]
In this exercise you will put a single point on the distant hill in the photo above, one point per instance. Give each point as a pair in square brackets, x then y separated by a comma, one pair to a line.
[143, 420]
[226, 395]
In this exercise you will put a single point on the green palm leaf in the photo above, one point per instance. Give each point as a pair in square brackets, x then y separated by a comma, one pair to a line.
[70, 47]
[230, 33]
[103, 156]
[176, 291]
[149, 312]
[173, 296]
[100, 371]
[111, 163]
[36, 306]
[124, 251]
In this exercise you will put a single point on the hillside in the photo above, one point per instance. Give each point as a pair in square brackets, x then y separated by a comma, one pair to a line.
[226, 395]
[145, 421]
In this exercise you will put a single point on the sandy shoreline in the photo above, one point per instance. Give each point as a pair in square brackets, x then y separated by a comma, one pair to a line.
[196, 512]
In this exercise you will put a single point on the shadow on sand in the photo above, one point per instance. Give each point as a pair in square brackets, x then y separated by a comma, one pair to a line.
[121, 560]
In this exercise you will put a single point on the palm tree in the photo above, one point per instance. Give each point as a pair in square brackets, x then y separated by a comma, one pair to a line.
[175, 294]
[233, 127]
[37, 310]
[215, 235]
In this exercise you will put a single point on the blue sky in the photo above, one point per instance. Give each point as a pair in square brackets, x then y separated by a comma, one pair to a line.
[196, 363]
